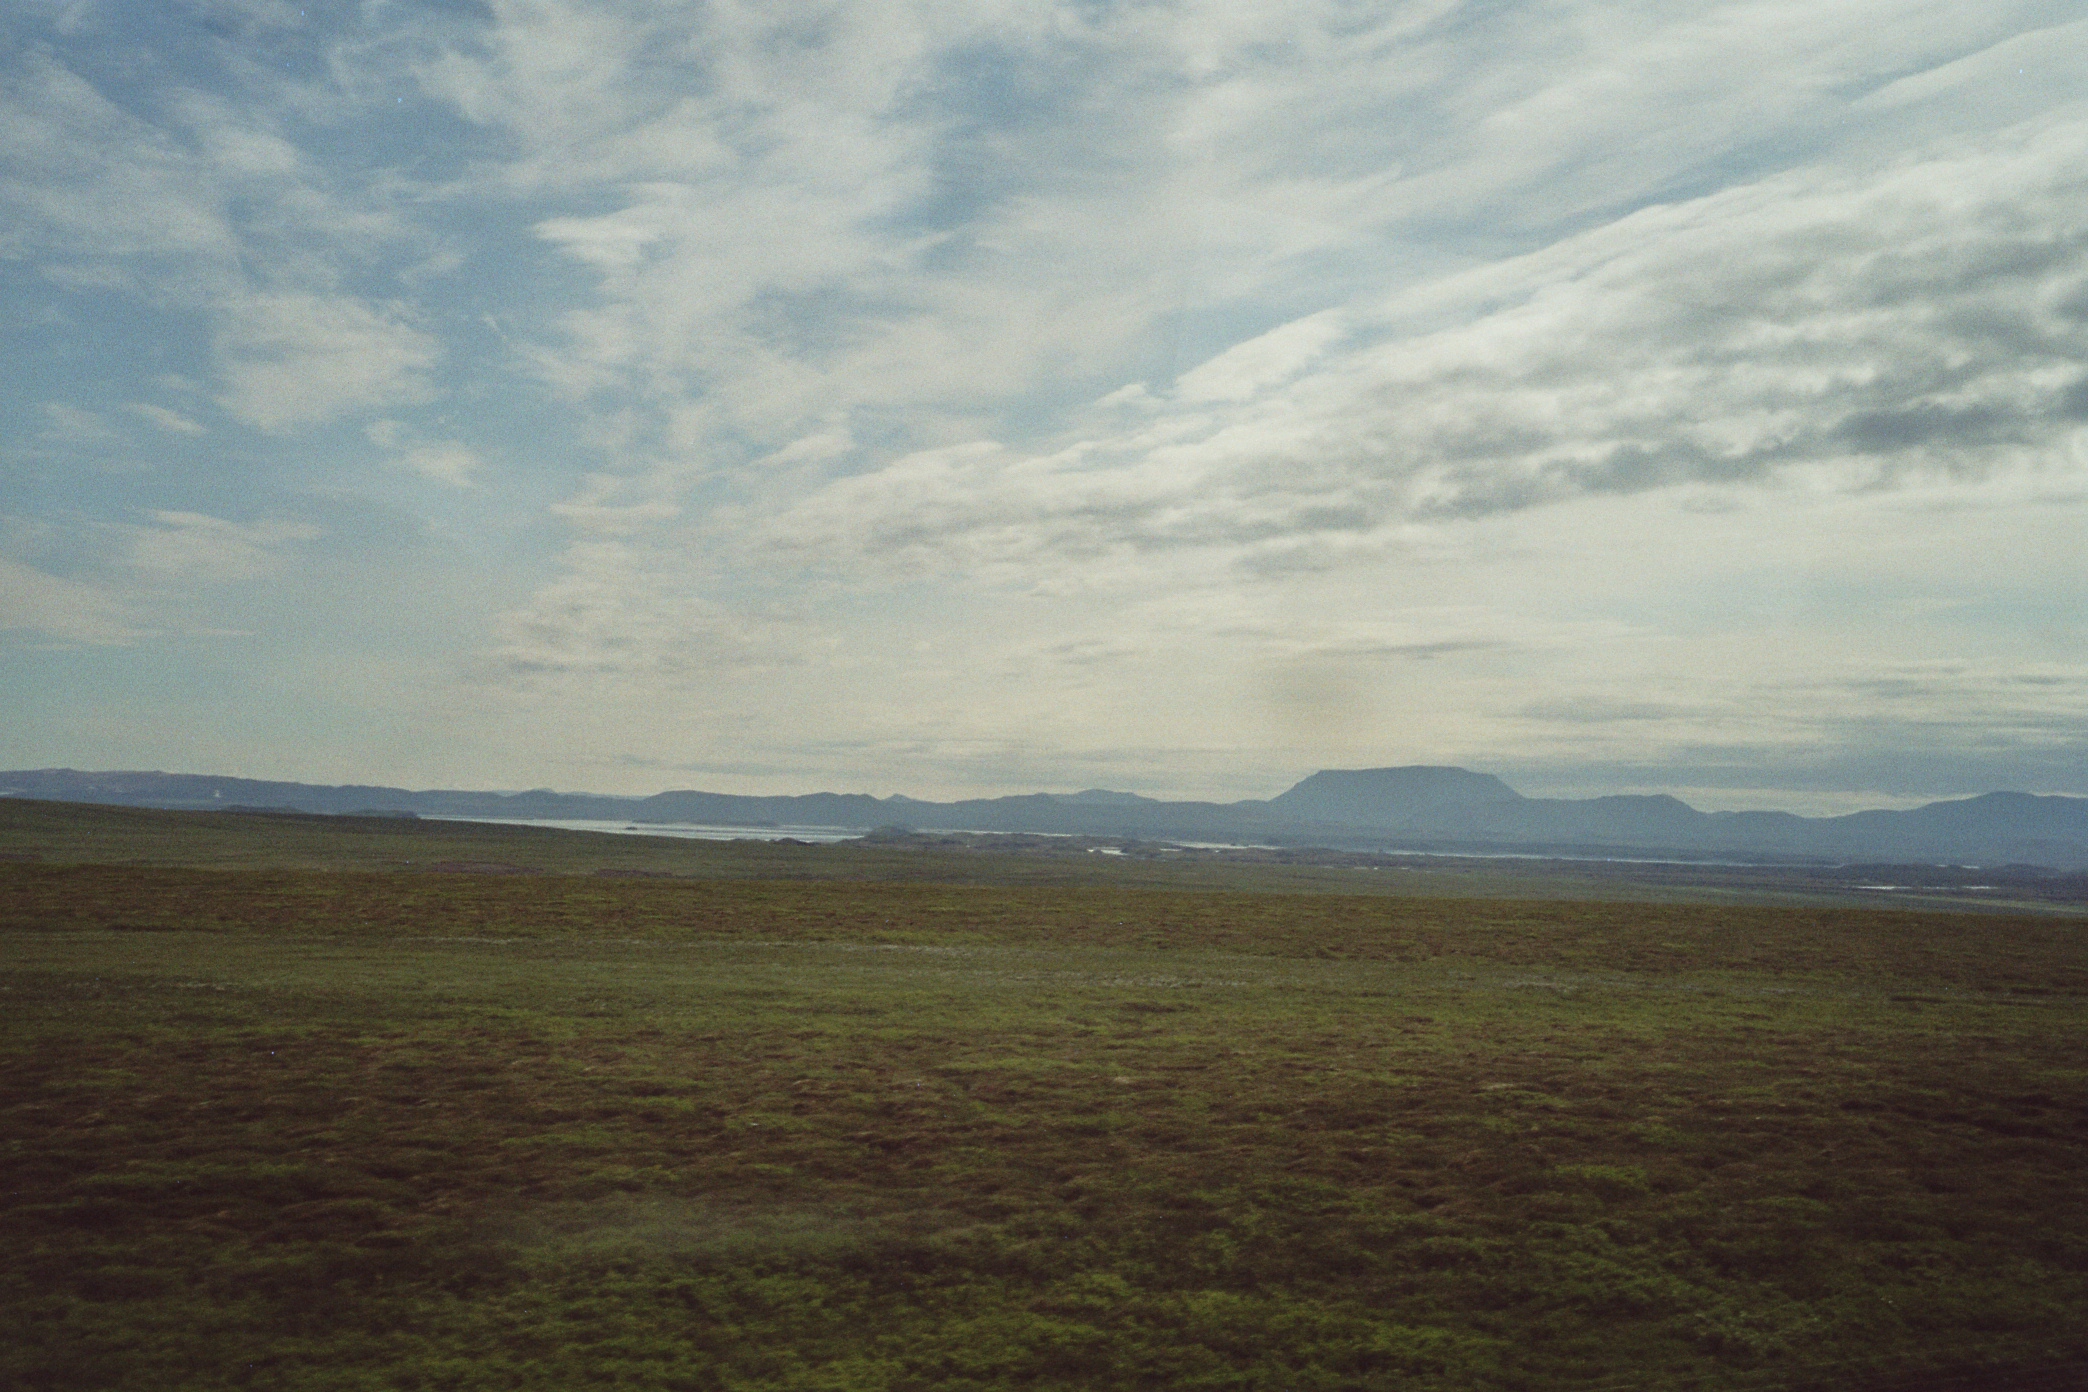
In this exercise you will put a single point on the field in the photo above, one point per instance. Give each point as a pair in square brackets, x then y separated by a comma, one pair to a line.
[310, 1103]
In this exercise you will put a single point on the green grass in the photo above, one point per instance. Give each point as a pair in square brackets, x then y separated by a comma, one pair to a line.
[332, 1128]
[73, 833]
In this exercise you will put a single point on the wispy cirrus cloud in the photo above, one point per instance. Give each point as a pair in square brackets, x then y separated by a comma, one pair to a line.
[163, 418]
[196, 546]
[201, 208]
[119, 583]
[1858, 327]
[52, 608]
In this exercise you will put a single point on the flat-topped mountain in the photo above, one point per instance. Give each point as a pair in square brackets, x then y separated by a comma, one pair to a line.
[1390, 796]
[1415, 808]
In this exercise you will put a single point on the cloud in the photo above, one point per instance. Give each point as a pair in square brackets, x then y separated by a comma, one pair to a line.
[126, 583]
[1273, 358]
[1887, 730]
[1862, 327]
[75, 426]
[196, 204]
[172, 422]
[449, 463]
[196, 547]
[1599, 712]
[610, 506]
[122, 583]
[290, 360]
[620, 614]
[440, 461]
[86, 184]
[67, 611]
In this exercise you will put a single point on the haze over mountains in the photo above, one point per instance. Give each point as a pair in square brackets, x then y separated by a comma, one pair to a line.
[1415, 808]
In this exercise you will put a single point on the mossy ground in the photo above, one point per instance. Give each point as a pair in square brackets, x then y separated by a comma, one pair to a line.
[320, 1129]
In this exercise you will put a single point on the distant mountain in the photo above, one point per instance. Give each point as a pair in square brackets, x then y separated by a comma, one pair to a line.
[1416, 808]
[1100, 796]
[1391, 797]
[1995, 828]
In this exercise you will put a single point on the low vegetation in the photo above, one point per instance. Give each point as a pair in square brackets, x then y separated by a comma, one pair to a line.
[321, 1127]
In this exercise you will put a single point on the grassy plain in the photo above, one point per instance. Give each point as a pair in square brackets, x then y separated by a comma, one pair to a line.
[79, 833]
[307, 1119]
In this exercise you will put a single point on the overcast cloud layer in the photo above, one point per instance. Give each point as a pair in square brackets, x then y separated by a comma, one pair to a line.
[977, 398]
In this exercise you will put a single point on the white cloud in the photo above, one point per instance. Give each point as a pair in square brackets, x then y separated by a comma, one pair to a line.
[1243, 372]
[610, 506]
[196, 547]
[620, 613]
[202, 208]
[172, 422]
[441, 461]
[67, 611]
[76, 426]
[109, 583]
[1926, 320]
[2051, 57]
[452, 464]
[291, 360]
[85, 182]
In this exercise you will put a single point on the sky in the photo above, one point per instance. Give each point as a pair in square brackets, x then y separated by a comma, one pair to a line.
[962, 399]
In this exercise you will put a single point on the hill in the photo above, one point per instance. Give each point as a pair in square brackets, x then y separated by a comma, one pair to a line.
[1414, 808]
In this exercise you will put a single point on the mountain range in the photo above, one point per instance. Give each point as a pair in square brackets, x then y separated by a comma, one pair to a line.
[1413, 808]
